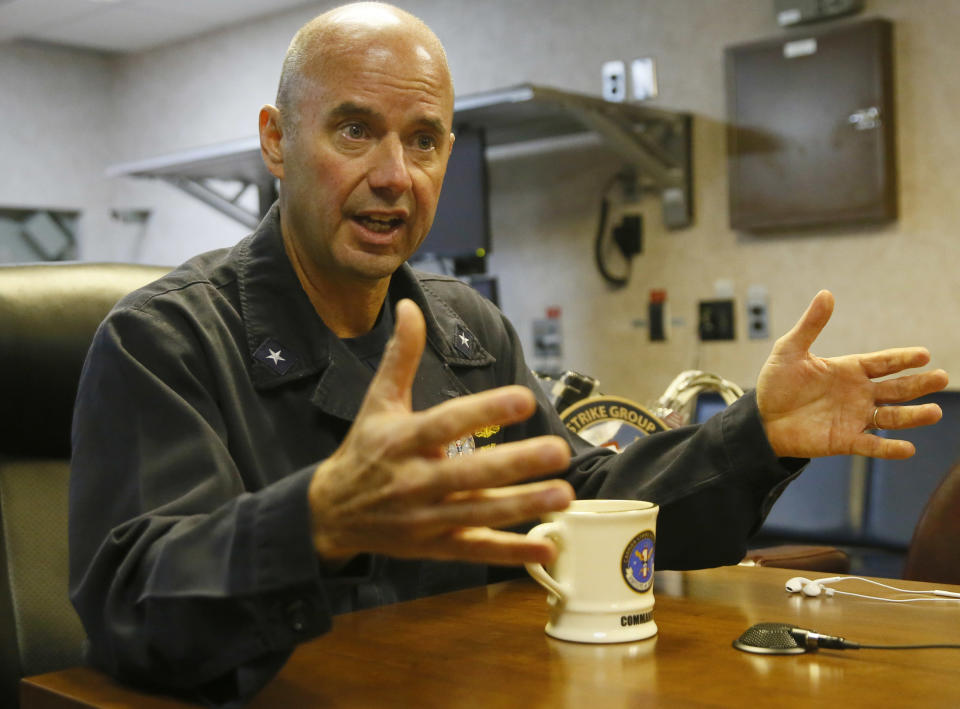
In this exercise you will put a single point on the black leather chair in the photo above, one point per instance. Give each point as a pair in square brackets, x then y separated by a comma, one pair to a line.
[899, 490]
[934, 553]
[48, 314]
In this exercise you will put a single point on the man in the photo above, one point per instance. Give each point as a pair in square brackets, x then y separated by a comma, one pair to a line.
[251, 454]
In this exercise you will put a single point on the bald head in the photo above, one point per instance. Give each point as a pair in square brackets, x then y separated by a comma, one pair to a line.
[359, 140]
[366, 27]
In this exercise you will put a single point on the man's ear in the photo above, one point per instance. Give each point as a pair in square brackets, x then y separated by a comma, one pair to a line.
[271, 137]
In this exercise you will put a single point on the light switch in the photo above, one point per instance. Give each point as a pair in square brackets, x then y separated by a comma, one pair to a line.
[643, 76]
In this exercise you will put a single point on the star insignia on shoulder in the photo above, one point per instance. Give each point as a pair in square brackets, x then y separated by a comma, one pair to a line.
[464, 342]
[275, 356]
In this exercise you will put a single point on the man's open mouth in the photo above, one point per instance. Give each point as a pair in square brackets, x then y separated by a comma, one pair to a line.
[379, 224]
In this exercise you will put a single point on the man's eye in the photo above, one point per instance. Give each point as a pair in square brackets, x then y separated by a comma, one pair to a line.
[354, 131]
[426, 142]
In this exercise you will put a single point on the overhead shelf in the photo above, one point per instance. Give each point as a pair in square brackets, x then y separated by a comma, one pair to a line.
[654, 145]
[193, 170]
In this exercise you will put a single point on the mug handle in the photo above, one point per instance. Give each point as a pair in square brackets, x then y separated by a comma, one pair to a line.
[542, 531]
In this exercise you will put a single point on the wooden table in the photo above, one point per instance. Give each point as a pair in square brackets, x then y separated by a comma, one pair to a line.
[485, 647]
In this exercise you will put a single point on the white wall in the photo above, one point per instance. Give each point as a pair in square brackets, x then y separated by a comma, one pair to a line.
[57, 136]
[894, 283]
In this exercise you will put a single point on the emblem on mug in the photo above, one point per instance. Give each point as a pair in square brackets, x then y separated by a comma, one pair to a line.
[636, 564]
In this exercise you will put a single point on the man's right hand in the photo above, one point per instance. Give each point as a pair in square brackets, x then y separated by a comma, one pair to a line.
[390, 489]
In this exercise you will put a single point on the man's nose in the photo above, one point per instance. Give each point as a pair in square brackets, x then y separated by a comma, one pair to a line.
[389, 172]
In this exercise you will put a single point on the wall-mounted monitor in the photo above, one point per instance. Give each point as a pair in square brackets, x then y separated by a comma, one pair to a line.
[487, 286]
[461, 227]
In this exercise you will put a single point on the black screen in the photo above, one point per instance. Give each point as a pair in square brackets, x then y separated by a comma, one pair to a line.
[487, 287]
[461, 226]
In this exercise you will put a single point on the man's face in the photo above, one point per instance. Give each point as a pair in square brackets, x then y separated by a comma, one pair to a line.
[362, 170]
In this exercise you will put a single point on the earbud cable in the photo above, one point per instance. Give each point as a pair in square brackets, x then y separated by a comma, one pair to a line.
[891, 600]
[838, 579]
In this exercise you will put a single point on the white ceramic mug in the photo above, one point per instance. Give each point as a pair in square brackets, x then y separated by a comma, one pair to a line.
[601, 585]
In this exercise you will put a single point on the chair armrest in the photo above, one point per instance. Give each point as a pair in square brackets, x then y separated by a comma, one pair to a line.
[798, 556]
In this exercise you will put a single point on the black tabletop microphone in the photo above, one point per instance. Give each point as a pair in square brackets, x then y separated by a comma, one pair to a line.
[785, 639]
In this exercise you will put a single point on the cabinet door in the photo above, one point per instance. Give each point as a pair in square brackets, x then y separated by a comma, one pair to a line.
[811, 135]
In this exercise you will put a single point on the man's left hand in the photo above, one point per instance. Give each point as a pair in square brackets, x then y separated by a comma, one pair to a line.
[813, 406]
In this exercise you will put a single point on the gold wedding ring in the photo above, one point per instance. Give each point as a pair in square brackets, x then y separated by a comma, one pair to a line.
[876, 412]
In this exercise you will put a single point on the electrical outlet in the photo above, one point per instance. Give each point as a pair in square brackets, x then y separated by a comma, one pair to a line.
[758, 315]
[716, 320]
[614, 80]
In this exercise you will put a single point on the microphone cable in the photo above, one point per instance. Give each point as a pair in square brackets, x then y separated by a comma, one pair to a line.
[814, 640]
[907, 647]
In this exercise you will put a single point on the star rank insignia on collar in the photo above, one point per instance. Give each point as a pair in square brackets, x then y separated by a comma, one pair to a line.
[464, 342]
[275, 356]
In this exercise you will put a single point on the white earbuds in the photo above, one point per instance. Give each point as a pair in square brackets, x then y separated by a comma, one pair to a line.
[796, 584]
[813, 588]
[799, 583]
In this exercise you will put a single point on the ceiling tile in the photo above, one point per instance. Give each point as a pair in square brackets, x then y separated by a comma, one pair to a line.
[122, 28]
[221, 12]
[19, 18]
[127, 25]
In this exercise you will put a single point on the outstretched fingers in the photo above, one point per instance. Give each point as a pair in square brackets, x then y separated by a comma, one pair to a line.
[872, 446]
[907, 388]
[502, 465]
[899, 417]
[393, 381]
[483, 545]
[886, 362]
[500, 507]
[801, 337]
[464, 415]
